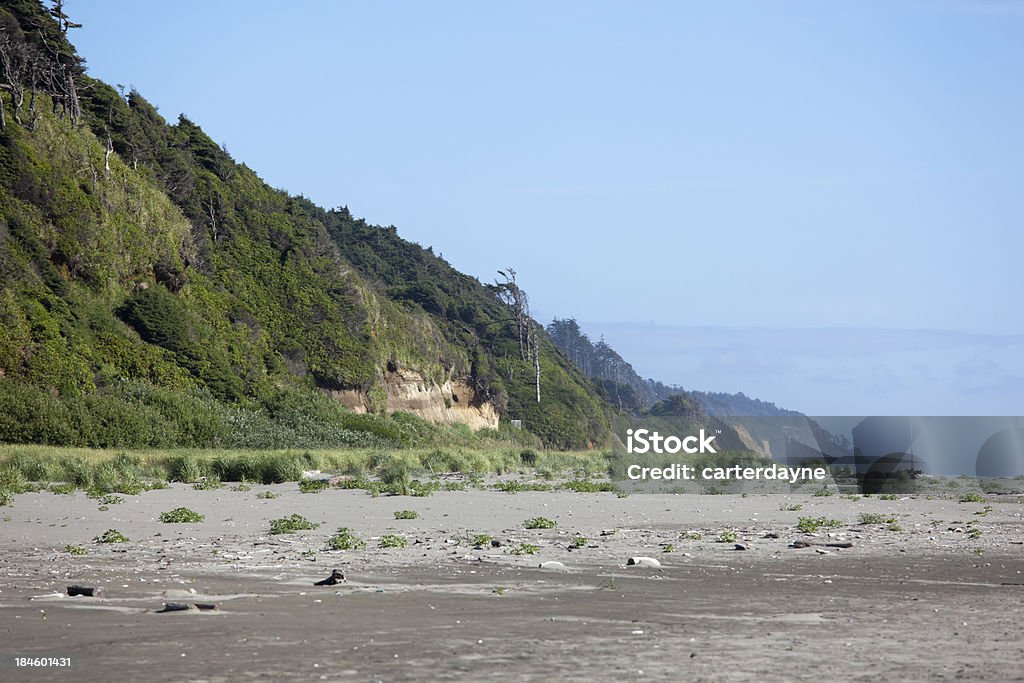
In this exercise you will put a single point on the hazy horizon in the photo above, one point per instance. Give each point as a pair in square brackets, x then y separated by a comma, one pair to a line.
[832, 371]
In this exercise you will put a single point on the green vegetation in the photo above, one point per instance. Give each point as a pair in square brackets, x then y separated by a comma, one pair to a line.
[109, 499]
[406, 514]
[668, 548]
[728, 536]
[579, 542]
[312, 486]
[822, 493]
[690, 536]
[588, 486]
[345, 540]
[291, 524]
[176, 300]
[181, 515]
[972, 498]
[75, 550]
[876, 518]
[524, 549]
[111, 536]
[514, 486]
[539, 523]
[392, 541]
[131, 472]
[14, 480]
[888, 496]
[266, 495]
[809, 525]
[481, 540]
[791, 507]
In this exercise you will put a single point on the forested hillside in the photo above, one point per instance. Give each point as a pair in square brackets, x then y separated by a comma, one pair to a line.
[155, 291]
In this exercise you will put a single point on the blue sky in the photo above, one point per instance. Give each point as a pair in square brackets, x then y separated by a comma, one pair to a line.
[732, 165]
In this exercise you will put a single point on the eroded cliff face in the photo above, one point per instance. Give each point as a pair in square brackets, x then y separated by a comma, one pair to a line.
[408, 391]
[764, 448]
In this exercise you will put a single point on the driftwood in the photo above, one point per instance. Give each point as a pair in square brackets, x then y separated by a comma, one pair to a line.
[175, 607]
[87, 591]
[185, 607]
[336, 577]
[809, 544]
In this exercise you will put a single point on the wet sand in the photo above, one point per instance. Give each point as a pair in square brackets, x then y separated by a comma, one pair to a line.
[930, 601]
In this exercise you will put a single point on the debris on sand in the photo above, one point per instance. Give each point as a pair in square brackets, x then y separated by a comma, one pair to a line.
[741, 546]
[187, 607]
[553, 564]
[336, 577]
[643, 562]
[809, 544]
[86, 591]
[175, 607]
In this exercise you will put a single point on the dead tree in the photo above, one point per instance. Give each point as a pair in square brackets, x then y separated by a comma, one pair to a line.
[106, 157]
[13, 69]
[515, 299]
[518, 304]
[47, 66]
[536, 357]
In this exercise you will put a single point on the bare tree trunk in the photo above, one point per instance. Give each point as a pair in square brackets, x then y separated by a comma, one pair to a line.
[106, 157]
[72, 96]
[213, 217]
[17, 98]
[536, 362]
[33, 115]
[3, 117]
[92, 170]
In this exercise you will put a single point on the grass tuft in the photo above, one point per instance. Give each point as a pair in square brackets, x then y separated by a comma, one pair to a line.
[524, 549]
[111, 536]
[345, 540]
[539, 523]
[291, 524]
[809, 525]
[181, 515]
[392, 541]
[312, 486]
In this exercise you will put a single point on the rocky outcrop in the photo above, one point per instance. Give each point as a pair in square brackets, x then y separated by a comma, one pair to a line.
[408, 391]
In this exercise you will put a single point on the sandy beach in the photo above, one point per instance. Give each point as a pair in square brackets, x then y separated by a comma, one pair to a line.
[934, 595]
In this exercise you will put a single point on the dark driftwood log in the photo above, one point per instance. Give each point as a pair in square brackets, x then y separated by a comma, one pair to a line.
[336, 577]
[87, 591]
[808, 544]
[175, 607]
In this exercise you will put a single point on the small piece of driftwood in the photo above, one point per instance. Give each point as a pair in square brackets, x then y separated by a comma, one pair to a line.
[809, 544]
